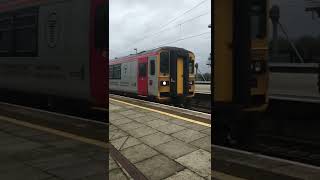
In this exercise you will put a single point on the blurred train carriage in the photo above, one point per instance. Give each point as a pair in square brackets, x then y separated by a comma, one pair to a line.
[54, 49]
[163, 74]
[240, 66]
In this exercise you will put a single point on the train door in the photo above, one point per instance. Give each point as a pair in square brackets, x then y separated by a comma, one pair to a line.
[180, 76]
[143, 76]
[152, 78]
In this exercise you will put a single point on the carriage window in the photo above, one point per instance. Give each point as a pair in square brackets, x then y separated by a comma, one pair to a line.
[101, 27]
[142, 69]
[164, 62]
[258, 19]
[19, 33]
[111, 72]
[26, 32]
[152, 67]
[191, 67]
[115, 71]
[5, 36]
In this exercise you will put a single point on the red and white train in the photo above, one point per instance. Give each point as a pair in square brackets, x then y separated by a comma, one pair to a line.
[54, 48]
[163, 74]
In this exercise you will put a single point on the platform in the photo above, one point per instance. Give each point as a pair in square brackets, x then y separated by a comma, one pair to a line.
[249, 165]
[161, 145]
[299, 87]
[29, 153]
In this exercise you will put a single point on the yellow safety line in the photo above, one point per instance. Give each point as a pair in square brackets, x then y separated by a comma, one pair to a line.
[56, 132]
[168, 114]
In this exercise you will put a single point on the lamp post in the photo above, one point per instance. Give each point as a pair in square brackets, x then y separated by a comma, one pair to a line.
[274, 15]
[196, 66]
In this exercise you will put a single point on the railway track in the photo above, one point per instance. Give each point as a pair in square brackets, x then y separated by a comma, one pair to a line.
[289, 148]
[289, 130]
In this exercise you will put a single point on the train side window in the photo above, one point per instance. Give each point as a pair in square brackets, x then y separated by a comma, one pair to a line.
[142, 69]
[164, 62]
[191, 67]
[5, 36]
[111, 72]
[152, 67]
[116, 71]
[26, 32]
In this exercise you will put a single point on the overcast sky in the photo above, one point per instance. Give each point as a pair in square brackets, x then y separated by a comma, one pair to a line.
[130, 21]
[296, 20]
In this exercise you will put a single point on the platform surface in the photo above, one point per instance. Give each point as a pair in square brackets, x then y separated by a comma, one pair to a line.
[160, 146]
[28, 153]
[256, 166]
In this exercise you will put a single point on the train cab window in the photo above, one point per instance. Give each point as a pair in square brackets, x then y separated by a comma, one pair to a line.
[142, 69]
[152, 67]
[164, 62]
[101, 26]
[191, 67]
[258, 13]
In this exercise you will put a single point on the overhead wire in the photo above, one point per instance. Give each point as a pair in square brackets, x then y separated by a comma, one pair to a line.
[172, 27]
[171, 21]
[184, 38]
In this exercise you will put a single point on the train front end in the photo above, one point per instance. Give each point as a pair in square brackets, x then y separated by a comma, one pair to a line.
[176, 75]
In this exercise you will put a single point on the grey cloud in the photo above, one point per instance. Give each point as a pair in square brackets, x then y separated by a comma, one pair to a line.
[132, 20]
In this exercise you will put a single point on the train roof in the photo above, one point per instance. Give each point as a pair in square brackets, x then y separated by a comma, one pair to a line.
[151, 51]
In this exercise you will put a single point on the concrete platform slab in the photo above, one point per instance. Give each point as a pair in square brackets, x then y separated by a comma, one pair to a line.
[80, 170]
[142, 131]
[121, 121]
[156, 139]
[203, 143]
[115, 134]
[158, 167]
[138, 153]
[203, 162]
[155, 147]
[175, 149]
[117, 174]
[131, 125]
[25, 172]
[144, 119]
[131, 141]
[170, 128]
[188, 135]
[185, 174]
[35, 154]
[156, 123]
[117, 143]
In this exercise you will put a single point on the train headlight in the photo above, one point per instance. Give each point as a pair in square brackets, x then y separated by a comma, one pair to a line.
[257, 67]
[164, 83]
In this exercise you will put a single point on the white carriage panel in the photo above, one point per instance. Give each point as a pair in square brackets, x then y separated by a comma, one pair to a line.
[65, 45]
[62, 51]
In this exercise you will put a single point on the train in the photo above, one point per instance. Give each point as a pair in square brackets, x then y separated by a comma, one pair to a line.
[164, 74]
[54, 49]
[241, 73]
